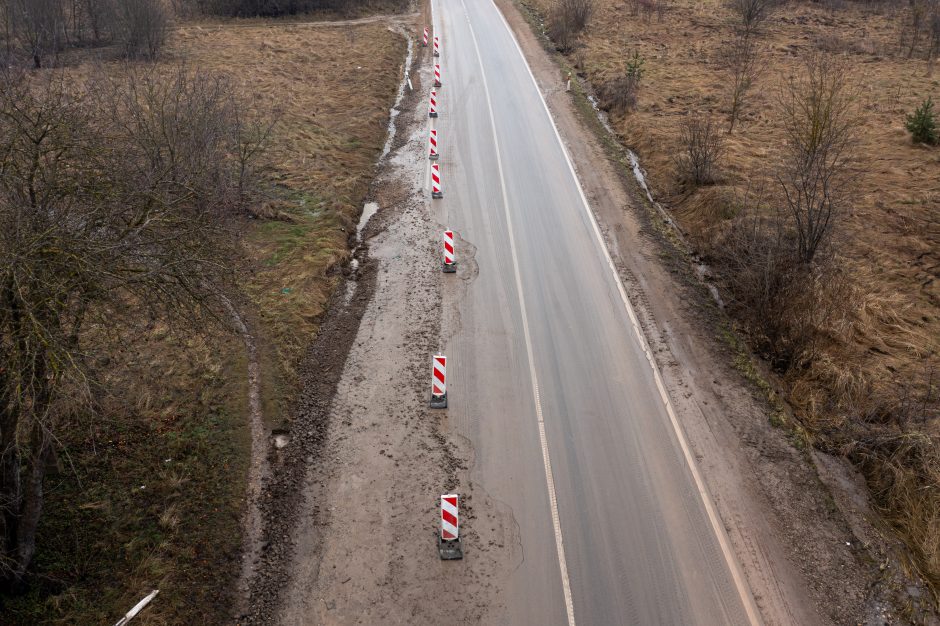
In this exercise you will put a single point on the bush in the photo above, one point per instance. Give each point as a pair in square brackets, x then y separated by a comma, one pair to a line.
[702, 145]
[922, 124]
[140, 26]
[785, 305]
[820, 121]
[619, 95]
[567, 19]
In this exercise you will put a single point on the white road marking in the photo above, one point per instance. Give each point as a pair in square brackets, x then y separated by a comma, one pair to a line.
[543, 440]
[744, 591]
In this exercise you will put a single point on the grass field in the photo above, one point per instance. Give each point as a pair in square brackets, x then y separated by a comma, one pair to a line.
[884, 346]
[149, 493]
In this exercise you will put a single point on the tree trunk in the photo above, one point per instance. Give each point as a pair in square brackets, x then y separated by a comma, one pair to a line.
[31, 507]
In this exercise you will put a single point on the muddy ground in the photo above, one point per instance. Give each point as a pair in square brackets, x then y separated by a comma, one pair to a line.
[350, 512]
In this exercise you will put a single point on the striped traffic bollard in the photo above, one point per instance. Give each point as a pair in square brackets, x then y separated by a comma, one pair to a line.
[448, 544]
[437, 74]
[424, 40]
[449, 262]
[432, 109]
[436, 181]
[437, 46]
[432, 140]
[439, 381]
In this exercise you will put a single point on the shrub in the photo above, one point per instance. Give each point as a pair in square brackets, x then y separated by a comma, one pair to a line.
[140, 26]
[619, 95]
[702, 145]
[567, 19]
[922, 124]
[785, 305]
[819, 115]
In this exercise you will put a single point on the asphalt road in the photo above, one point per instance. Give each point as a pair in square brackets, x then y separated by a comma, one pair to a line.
[548, 375]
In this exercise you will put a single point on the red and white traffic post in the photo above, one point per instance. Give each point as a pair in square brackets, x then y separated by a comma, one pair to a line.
[439, 381]
[437, 46]
[437, 74]
[424, 40]
[448, 544]
[432, 108]
[432, 141]
[436, 181]
[449, 261]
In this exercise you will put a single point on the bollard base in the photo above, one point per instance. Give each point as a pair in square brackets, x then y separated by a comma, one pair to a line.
[449, 550]
[439, 402]
[449, 268]
[433, 157]
[437, 195]
[432, 114]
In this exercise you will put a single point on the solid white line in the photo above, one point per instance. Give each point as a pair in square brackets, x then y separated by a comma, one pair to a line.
[744, 591]
[543, 440]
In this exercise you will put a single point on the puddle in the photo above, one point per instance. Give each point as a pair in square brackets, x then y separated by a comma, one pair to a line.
[281, 439]
[368, 210]
[393, 114]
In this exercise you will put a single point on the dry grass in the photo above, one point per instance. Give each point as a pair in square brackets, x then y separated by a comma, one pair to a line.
[331, 88]
[149, 493]
[889, 245]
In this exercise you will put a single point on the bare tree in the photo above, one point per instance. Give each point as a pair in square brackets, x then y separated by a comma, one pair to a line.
[820, 119]
[702, 145]
[114, 199]
[751, 14]
[39, 26]
[745, 64]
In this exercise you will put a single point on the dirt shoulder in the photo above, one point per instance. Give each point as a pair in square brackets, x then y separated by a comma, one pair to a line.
[801, 557]
[351, 513]
[354, 528]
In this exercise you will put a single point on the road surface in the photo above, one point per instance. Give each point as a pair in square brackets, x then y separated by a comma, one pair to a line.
[549, 378]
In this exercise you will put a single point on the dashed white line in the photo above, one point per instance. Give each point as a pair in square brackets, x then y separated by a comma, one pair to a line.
[543, 440]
